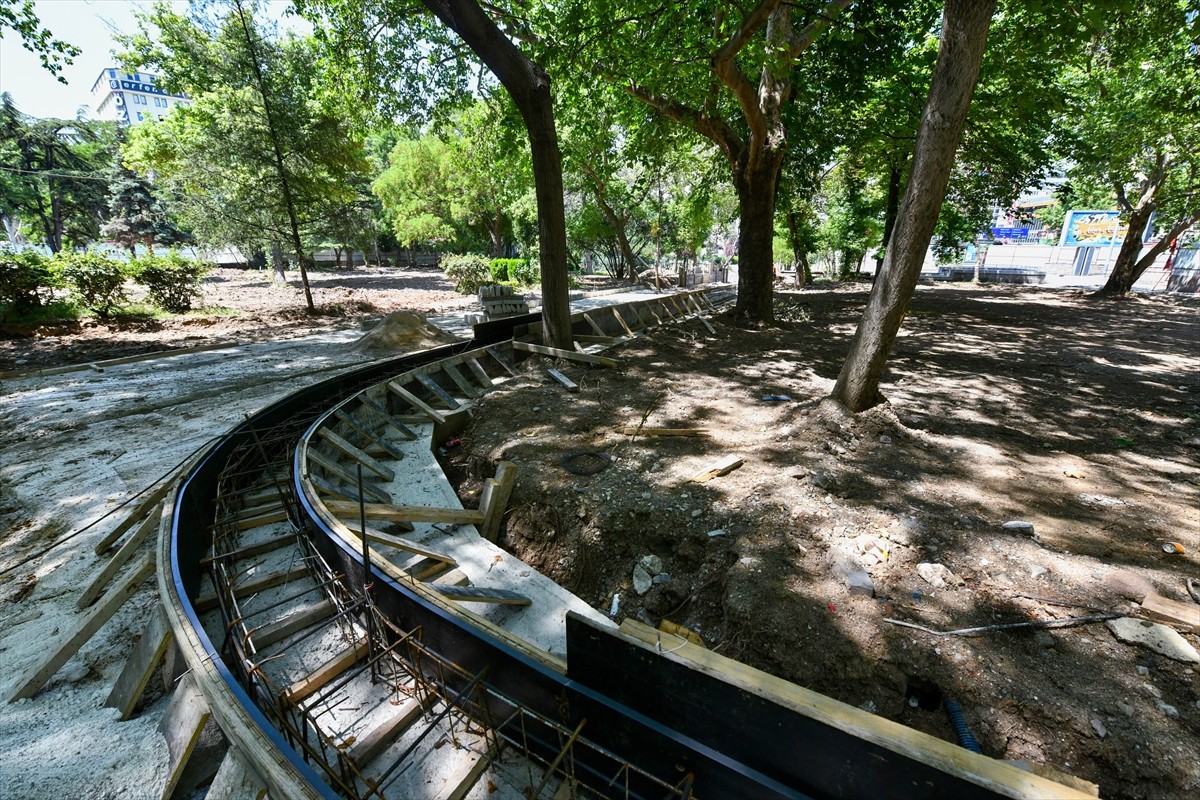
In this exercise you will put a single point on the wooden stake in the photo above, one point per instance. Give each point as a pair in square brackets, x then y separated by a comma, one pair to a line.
[502, 360]
[461, 381]
[479, 372]
[568, 384]
[416, 402]
[119, 559]
[235, 781]
[354, 424]
[181, 726]
[336, 470]
[494, 499]
[379, 537]
[621, 320]
[598, 330]
[441, 394]
[141, 664]
[142, 509]
[584, 358]
[356, 454]
[95, 618]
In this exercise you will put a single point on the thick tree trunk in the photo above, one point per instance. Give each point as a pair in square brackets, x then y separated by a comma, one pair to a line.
[756, 185]
[1139, 267]
[529, 86]
[964, 36]
[1124, 274]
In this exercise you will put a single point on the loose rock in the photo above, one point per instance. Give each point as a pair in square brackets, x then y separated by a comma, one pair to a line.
[859, 582]
[1159, 638]
[1019, 526]
[642, 580]
[652, 564]
[1128, 585]
[937, 575]
[1099, 728]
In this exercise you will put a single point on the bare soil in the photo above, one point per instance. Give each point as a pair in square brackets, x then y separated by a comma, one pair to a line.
[1080, 416]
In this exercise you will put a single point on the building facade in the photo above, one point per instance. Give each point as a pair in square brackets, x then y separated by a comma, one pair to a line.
[131, 97]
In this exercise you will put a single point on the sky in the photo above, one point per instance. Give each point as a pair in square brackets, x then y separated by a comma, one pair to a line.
[90, 26]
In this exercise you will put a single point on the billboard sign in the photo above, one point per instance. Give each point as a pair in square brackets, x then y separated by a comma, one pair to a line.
[1092, 229]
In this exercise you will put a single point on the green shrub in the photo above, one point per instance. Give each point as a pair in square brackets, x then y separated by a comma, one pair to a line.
[467, 272]
[524, 272]
[26, 282]
[172, 280]
[498, 267]
[97, 280]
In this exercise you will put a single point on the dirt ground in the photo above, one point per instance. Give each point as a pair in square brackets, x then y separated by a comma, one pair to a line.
[1079, 416]
[1015, 404]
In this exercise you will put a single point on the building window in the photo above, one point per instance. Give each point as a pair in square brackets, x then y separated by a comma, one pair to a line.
[140, 117]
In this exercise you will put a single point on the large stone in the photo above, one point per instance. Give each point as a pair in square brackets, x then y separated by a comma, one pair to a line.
[1019, 526]
[937, 575]
[642, 580]
[652, 564]
[1159, 638]
[859, 582]
[1129, 585]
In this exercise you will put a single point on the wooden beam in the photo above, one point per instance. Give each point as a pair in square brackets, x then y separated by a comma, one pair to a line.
[336, 470]
[208, 600]
[140, 510]
[378, 537]
[355, 424]
[267, 546]
[584, 358]
[403, 429]
[235, 781]
[429, 383]
[631, 430]
[181, 726]
[654, 313]
[249, 523]
[667, 311]
[356, 454]
[502, 360]
[63, 649]
[325, 673]
[479, 372]
[399, 513]
[480, 594]
[369, 746]
[1172, 612]
[568, 384]
[588, 339]
[494, 499]
[598, 330]
[621, 320]
[463, 779]
[119, 559]
[455, 577]
[266, 635]
[461, 381]
[140, 665]
[723, 467]
[416, 402]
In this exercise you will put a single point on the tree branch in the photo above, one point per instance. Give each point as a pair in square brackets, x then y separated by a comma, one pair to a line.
[716, 130]
[804, 39]
[725, 67]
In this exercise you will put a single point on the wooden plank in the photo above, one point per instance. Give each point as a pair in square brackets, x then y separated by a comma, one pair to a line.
[399, 513]
[568, 384]
[416, 402]
[335, 469]
[63, 649]
[621, 320]
[266, 635]
[723, 467]
[271, 504]
[662, 304]
[341, 490]
[494, 499]
[378, 537]
[249, 523]
[833, 733]
[455, 577]
[481, 594]
[461, 381]
[589, 339]
[404, 430]
[140, 510]
[181, 726]
[479, 372]
[355, 453]
[584, 358]
[325, 673]
[631, 430]
[502, 359]
[441, 394]
[666, 626]
[654, 313]
[363, 430]
[119, 559]
[268, 546]
[699, 315]
[140, 665]
[675, 305]
[588, 318]
[208, 600]
[368, 747]
[235, 781]
[466, 775]
[1164, 609]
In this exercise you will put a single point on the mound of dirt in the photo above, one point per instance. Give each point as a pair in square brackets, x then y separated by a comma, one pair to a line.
[401, 331]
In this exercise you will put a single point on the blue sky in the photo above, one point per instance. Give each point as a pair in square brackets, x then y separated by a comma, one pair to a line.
[87, 24]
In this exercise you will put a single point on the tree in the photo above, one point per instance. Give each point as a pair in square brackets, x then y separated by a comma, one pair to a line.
[136, 215]
[386, 60]
[960, 53]
[261, 156]
[54, 175]
[727, 75]
[19, 16]
[1134, 125]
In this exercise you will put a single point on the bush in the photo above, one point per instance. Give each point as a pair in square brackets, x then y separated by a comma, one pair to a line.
[498, 267]
[524, 272]
[467, 272]
[172, 280]
[26, 282]
[98, 281]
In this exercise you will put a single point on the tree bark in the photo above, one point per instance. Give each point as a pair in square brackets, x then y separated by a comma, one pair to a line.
[756, 186]
[965, 26]
[529, 86]
[1128, 269]
[891, 208]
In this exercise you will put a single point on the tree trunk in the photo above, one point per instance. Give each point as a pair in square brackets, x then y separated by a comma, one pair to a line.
[1124, 274]
[756, 187]
[964, 36]
[529, 86]
[889, 215]
[495, 231]
[1139, 267]
[277, 264]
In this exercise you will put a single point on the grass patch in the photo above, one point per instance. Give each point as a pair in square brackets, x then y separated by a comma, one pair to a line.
[54, 311]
